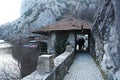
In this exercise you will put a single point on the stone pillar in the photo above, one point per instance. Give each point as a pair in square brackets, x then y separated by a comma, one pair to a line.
[51, 43]
[45, 63]
[71, 39]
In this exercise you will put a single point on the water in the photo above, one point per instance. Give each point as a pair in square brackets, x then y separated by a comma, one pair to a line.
[16, 61]
[8, 65]
[5, 53]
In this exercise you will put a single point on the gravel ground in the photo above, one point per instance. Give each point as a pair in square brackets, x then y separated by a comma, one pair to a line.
[83, 68]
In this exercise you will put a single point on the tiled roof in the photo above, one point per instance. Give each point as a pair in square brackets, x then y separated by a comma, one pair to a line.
[65, 25]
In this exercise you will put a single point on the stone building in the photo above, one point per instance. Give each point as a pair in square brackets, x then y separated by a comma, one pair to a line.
[71, 27]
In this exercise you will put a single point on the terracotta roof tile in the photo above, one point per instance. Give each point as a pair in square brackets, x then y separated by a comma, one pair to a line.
[65, 24]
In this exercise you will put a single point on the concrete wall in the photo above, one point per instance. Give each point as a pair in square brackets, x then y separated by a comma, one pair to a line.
[62, 64]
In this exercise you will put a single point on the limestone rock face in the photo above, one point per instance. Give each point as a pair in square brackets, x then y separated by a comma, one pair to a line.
[38, 13]
[106, 31]
[34, 14]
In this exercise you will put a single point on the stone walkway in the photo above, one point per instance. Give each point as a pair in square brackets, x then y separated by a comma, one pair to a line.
[83, 68]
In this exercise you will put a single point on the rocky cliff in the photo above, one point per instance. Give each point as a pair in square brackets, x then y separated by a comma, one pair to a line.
[106, 31]
[106, 27]
[38, 13]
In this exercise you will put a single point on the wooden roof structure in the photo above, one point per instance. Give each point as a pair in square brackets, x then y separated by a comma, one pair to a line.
[64, 25]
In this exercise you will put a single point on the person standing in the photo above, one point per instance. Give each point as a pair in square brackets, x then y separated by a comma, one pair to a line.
[81, 42]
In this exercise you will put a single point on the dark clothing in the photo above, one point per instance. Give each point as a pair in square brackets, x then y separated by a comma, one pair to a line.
[81, 42]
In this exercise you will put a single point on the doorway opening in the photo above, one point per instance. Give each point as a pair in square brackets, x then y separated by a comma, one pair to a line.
[82, 42]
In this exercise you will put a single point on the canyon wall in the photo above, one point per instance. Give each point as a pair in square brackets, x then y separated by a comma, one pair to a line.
[106, 31]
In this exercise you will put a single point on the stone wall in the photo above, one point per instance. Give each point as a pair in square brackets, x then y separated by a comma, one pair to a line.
[106, 32]
[61, 63]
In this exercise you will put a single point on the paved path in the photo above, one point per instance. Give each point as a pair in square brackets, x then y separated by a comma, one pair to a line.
[83, 68]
